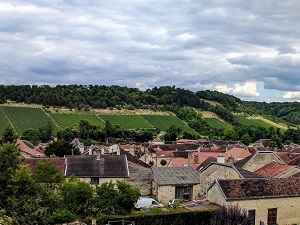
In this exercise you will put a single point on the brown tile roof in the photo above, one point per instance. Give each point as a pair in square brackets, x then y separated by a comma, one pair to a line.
[288, 157]
[248, 174]
[206, 162]
[260, 188]
[177, 147]
[58, 162]
[272, 169]
[133, 159]
[243, 161]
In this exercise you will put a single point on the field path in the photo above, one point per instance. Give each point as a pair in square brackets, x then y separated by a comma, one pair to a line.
[50, 117]
[8, 120]
[281, 126]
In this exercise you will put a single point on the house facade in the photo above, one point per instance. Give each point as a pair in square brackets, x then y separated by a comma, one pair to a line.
[258, 160]
[270, 201]
[175, 182]
[217, 170]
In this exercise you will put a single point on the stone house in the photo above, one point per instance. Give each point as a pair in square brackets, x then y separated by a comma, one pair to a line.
[258, 160]
[175, 182]
[216, 170]
[92, 169]
[270, 201]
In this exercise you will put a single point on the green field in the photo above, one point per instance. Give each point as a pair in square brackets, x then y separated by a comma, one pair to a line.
[127, 121]
[71, 120]
[3, 121]
[164, 122]
[252, 122]
[23, 118]
[216, 123]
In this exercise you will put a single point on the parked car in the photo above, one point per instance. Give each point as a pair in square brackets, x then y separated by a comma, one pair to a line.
[147, 202]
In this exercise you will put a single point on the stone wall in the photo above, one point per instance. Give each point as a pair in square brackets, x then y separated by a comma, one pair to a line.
[140, 177]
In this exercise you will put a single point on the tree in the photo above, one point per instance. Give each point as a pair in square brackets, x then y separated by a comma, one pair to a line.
[67, 134]
[246, 139]
[172, 133]
[46, 132]
[9, 135]
[115, 198]
[230, 134]
[61, 148]
[47, 172]
[77, 196]
[109, 129]
[24, 201]
[9, 162]
[31, 135]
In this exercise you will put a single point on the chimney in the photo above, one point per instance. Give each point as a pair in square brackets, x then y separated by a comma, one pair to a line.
[230, 160]
[196, 159]
[220, 159]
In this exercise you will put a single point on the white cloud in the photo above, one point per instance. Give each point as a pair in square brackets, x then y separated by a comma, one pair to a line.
[186, 37]
[292, 95]
[247, 90]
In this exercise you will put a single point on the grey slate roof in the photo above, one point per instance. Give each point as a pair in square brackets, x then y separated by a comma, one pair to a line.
[175, 175]
[114, 166]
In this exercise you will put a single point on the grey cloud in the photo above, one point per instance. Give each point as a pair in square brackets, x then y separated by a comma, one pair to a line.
[133, 42]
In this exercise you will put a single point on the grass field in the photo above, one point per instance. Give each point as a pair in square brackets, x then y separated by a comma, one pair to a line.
[216, 123]
[164, 122]
[3, 121]
[127, 121]
[71, 120]
[252, 122]
[23, 118]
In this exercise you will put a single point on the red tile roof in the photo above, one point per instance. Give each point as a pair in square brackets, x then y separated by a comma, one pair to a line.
[272, 169]
[23, 147]
[58, 162]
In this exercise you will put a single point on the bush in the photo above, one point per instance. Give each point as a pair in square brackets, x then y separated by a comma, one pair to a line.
[62, 216]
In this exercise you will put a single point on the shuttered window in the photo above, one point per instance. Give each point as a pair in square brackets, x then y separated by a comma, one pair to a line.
[272, 216]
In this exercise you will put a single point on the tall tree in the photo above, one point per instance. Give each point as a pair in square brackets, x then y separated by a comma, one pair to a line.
[9, 135]
[9, 162]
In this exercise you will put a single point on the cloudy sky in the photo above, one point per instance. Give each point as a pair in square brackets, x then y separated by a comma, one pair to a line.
[250, 49]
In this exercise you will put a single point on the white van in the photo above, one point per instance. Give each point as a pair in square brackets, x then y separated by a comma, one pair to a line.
[147, 202]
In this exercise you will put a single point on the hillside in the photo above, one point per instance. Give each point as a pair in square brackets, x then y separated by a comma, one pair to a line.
[94, 99]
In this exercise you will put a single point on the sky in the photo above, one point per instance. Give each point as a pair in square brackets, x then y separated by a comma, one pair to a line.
[249, 49]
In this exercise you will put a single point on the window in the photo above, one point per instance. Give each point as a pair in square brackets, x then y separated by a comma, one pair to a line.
[95, 180]
[272, 216]
[251, 214]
